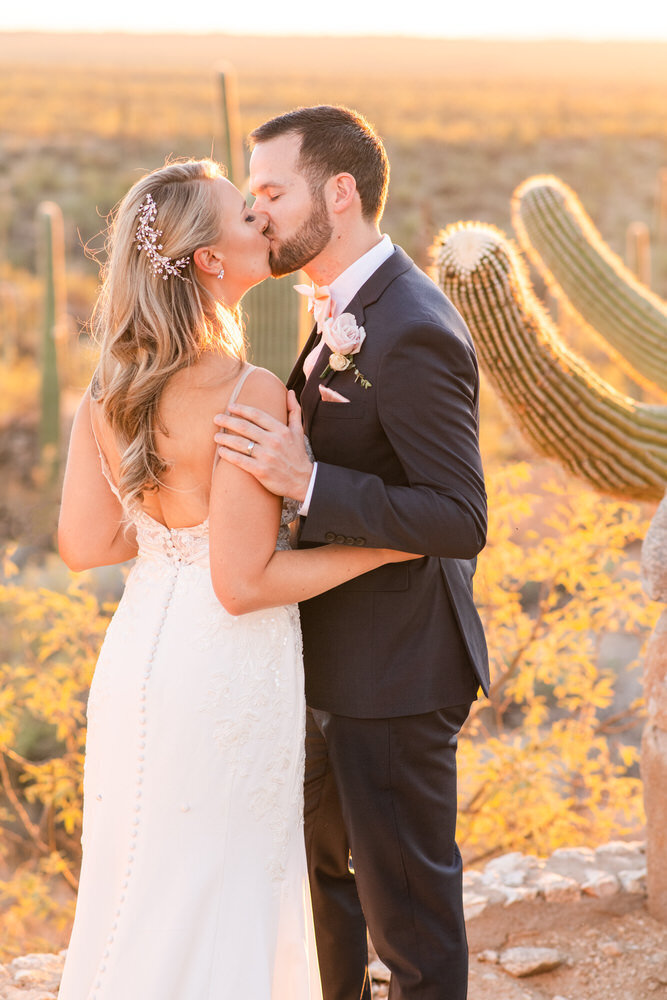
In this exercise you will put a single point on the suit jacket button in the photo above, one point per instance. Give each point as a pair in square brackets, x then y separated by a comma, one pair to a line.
[329, 537]
[340, 539]
[349, 541]
[360, 541]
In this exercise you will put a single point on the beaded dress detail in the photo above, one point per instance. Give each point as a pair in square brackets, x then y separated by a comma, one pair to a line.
[193, 883]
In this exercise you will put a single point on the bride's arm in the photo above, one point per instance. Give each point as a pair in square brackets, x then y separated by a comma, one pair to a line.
[91, 529]
[247, 573]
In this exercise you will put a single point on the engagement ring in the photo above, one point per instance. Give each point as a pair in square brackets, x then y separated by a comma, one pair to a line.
[250, 447]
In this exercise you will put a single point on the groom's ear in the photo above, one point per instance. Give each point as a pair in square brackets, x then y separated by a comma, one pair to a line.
[342, 191]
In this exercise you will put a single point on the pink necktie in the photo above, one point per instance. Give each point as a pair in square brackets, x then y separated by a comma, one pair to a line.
[319, 303]
[311, 358]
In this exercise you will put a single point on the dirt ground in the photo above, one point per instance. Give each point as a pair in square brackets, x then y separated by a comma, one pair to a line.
[611, 950]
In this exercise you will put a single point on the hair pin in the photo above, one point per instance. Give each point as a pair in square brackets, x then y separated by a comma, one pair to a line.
[147, 239]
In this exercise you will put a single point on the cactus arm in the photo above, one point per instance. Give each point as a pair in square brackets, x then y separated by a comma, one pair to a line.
[568, 412]
[590, 281]
[53, 267]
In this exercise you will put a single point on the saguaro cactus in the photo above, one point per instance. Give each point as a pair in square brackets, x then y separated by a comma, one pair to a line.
[568, 412]
[560, 239]
[53, 269]
[231, 119]
[615, 443]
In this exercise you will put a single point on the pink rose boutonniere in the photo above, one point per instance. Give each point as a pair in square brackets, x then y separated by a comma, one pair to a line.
[344, 338]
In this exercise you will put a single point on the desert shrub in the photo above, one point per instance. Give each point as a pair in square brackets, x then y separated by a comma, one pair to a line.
[551, 758]
[548, 760]
[48, 647]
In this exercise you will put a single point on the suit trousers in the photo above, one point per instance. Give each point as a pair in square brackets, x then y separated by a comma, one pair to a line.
[380, 819]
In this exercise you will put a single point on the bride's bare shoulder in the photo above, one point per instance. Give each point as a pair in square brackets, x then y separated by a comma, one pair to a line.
[264, 390]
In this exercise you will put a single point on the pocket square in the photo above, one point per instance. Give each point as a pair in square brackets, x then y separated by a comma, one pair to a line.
[331, 396]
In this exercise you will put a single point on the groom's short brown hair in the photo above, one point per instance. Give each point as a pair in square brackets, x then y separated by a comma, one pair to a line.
[335, 140]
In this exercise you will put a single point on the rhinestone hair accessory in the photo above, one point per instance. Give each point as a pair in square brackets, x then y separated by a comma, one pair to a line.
[147, 240]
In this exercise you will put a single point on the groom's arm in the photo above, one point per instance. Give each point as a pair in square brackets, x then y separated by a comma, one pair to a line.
[427, 402]
[427, 388]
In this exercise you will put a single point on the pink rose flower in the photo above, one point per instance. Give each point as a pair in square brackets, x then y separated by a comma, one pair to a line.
[342, 335]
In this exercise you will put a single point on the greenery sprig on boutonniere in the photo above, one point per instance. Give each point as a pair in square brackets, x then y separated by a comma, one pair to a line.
[345, 338]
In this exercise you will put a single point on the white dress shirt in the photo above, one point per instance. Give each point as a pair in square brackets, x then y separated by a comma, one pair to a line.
[343, 289]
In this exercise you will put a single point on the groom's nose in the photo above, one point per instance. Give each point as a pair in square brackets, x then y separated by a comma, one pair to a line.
[263, 221]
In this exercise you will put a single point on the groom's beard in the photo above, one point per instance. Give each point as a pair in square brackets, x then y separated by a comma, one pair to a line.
[310, 239]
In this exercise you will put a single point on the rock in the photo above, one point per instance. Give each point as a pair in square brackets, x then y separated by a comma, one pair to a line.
[571, 862]
[557, 888]
[620, 854]
[522, 962]
[473, 905]
[611, 949]
[600, 884]
[44, 978]
[633, 881]
[32, 977]
[510, 869]
[523, 894]
[500, 867]
[488, 955]
[472, 880]
[379, 972]
[47, 960]
[16, 993]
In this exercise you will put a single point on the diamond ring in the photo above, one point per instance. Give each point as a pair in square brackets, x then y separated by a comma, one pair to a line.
[250, 447]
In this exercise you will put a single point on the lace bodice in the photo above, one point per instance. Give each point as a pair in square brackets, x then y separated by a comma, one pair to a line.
[190, 545]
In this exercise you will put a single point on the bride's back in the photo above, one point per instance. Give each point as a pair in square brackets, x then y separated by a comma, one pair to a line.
[187, 406]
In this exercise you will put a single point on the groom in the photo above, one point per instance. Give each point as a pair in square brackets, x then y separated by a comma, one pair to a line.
[393, 659]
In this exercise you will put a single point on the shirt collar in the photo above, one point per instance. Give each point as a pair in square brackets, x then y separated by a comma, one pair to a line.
[347, 284]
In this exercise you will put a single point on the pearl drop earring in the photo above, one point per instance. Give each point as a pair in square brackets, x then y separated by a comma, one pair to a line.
[221, 273]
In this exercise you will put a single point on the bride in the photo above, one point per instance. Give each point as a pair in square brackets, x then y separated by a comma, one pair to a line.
[193, 882]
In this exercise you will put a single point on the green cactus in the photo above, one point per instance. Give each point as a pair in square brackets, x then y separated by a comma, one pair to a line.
[569, 413]
[53, 266]
[559, 238]
[233, 158]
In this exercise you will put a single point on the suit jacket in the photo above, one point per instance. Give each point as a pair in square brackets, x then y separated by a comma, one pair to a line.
[399, 467]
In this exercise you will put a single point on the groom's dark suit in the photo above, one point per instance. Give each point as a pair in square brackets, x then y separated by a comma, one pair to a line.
[394, 658]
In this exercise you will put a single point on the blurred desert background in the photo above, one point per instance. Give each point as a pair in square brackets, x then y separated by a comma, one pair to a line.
[464, 121]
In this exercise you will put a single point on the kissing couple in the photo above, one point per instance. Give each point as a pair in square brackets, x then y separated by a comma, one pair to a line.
[197, 879]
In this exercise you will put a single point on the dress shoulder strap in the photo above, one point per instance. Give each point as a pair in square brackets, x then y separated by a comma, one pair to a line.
[106, 470]
[239, 383]
[232, 399]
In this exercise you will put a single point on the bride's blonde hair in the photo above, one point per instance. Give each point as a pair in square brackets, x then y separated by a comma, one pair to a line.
[149, 326]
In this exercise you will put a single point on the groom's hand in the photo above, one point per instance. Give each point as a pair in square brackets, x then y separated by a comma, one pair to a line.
[273, 453]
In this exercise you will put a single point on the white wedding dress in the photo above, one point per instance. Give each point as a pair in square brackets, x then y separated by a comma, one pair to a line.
[193, 883]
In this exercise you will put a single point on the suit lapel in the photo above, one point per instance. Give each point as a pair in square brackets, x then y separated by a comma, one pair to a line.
[308, 391]
[297, 379]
